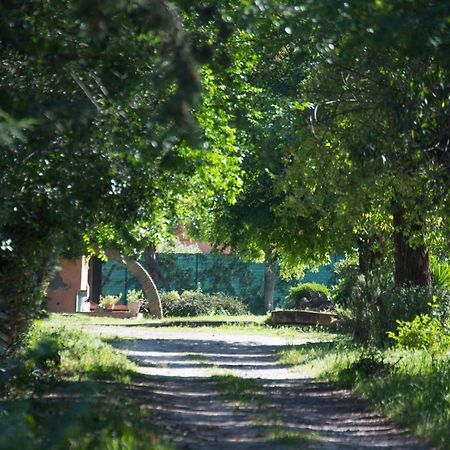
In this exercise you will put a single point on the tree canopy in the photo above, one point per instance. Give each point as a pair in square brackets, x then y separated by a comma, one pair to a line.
[294, 130]
[99, 138]
[349, 124]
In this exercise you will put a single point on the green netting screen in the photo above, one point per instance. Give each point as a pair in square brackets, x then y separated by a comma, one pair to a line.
[212, 273]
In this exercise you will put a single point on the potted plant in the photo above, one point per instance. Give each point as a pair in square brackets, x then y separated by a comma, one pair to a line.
[134, 299]
[108, 301]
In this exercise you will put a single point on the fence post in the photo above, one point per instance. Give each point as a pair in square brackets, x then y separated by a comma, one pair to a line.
[126, 285]
[196, 271]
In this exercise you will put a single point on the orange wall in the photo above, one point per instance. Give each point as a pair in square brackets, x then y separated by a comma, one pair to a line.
[62, 292]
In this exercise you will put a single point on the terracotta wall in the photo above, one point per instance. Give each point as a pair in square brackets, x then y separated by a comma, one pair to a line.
[62, 292]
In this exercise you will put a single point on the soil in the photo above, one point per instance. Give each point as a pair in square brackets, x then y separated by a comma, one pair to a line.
[177, 386]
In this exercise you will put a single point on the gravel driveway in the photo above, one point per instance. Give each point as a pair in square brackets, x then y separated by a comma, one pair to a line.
[176, 385]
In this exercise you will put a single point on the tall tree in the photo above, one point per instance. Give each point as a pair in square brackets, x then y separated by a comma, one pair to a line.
[109, 87]
[377, 103]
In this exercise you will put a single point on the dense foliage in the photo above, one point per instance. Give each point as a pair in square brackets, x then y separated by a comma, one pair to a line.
[309, 291]
[197, 303]
[344, 138]
[99, 143]
[287, 132]
[373, 307]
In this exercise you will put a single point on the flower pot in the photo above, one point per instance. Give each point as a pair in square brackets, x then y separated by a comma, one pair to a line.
[133, 308]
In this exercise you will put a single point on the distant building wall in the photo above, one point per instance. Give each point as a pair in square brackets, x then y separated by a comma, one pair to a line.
[65, 284]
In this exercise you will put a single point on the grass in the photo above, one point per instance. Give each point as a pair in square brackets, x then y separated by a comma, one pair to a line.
[243, 326]
[239, 391]
[68, 318]
[288, 438]
[81, 356]
[411, 387]
[67, 390]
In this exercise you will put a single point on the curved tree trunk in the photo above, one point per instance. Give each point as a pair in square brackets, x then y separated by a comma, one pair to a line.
[153, 267]
[143, 278]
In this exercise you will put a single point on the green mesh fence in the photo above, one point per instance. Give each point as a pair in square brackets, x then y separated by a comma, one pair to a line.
[212, 273]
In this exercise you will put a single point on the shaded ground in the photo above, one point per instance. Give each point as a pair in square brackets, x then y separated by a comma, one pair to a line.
[291, 411]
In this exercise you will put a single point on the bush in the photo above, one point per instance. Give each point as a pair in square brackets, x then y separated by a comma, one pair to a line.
[373, 304]
[440, 274]
[347, 273]
[310, 291]
[197, 303]
[424, 332]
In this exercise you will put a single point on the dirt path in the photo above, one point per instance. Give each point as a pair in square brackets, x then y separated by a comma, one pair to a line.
[176, 383]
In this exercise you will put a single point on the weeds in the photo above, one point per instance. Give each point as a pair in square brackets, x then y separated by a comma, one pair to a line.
[239, 391]
[410, 386]
[65, 390]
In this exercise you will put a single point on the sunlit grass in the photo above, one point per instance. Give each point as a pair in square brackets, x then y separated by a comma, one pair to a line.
[239, 391]
[411, 387]
[321, 359]
[69, 318]
[289, 438]
[67, 389]
[242, 325]
[83, 356]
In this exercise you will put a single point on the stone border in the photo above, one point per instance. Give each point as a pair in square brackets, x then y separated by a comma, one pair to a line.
[296, 317]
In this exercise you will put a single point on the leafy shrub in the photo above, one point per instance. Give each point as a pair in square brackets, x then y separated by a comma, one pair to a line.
[424, 332]
[373, 305]
[197, 303]
[106, 301]
[347, 273]
[440, 273]
[135, 296]
[305, 290]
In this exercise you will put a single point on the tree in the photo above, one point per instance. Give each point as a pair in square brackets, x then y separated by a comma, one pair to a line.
[347, 121]
[109, 89]
[377, 104]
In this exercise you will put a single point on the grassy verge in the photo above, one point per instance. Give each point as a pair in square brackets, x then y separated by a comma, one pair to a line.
[60, 319]
[66, 390]
[411, 387]
[245, 326]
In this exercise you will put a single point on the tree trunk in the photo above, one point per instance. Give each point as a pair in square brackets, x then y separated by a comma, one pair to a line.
[269, 282]
[143, 278]
[24, 277]
[369, 253]
[153, 267]
[411, 262]
[95, 279]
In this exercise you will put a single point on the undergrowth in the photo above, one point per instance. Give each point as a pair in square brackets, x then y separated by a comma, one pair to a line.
[410, 386]
[63, 389]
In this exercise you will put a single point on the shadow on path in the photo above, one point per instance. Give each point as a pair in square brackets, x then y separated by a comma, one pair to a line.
[176, 386]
